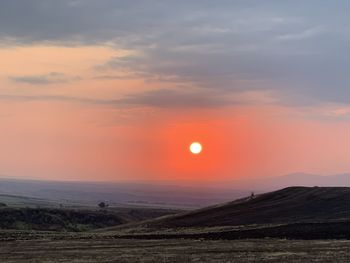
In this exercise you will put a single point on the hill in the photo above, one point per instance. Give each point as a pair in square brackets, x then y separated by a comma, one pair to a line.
[292, 204]
[300, 179]
[52, 219]
[286, 206]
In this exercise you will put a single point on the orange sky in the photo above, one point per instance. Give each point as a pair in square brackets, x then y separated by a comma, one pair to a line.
[65, 115]
[68, 140]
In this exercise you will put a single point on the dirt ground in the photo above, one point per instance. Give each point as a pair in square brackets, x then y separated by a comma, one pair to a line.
[174, 250]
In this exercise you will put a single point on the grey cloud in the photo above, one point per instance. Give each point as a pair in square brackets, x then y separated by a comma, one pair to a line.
[162, 98]
[221, 46]
[44, 79]
[307, 33]
[29, 98]
[176, 99]
[147, 23]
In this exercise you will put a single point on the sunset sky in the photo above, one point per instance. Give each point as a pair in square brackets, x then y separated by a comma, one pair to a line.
[113, 90]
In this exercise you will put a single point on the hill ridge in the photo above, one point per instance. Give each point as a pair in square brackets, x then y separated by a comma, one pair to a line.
[295, 204]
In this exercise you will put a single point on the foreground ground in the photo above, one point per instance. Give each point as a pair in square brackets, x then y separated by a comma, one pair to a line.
[41, 248]
[295, 224]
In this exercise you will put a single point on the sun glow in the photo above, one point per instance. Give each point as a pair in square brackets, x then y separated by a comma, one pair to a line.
[195, 147]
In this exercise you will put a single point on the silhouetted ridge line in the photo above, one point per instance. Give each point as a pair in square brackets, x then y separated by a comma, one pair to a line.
[289, 205]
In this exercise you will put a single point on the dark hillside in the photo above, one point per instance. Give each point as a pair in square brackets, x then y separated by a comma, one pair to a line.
[289, 205]
[71, 220]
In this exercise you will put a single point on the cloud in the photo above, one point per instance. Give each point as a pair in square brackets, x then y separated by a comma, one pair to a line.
[50, 78]
[270, 45]
[307, 33]
[165, 98]
[29, 98]
[139, 24]
[162, 98]
[5, 115]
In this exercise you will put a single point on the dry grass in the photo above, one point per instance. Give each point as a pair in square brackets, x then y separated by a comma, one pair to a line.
[101, 249]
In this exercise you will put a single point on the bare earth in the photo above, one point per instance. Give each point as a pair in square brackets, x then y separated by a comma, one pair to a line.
[173, 250]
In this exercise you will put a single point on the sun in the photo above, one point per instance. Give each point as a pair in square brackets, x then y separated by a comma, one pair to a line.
[195, 148]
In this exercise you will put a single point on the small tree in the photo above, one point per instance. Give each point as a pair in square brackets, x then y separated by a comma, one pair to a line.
[102, 205]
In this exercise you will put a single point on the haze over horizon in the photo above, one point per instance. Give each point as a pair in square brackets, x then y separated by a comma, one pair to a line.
[118, 90]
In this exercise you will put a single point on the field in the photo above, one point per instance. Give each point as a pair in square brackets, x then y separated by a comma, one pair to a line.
[96, 248]
[295, 224]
